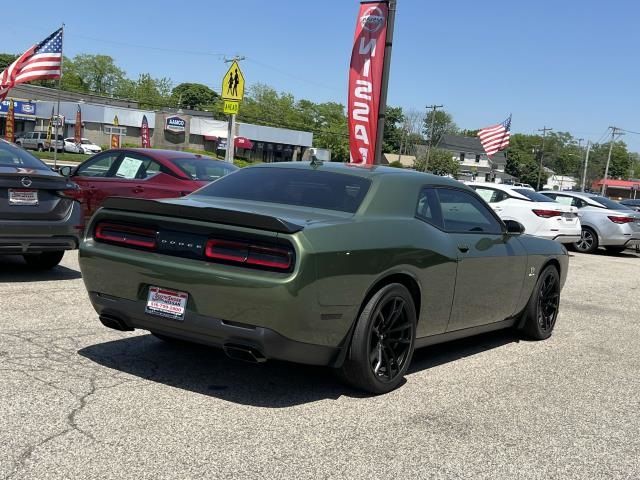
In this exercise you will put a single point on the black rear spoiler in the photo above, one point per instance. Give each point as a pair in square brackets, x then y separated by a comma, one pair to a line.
[207, 214]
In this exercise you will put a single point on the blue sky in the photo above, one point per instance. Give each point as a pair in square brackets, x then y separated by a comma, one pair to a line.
[571, 65]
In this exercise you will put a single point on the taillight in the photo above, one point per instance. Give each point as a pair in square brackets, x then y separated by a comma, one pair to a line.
[620, 220]
[268, 257]
[547, 213]
[126, 235]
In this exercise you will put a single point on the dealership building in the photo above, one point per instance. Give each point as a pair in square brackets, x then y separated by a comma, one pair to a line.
[169, 128]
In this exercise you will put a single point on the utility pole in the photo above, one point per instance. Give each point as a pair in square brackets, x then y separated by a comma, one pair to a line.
[231, 127]
[614, 132]
[586, 164]
[433, 120]
[544, 131]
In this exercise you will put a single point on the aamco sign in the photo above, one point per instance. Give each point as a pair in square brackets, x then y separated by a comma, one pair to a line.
[175, 124]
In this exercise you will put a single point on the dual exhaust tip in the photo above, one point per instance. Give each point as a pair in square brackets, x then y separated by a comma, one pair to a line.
[235, 351]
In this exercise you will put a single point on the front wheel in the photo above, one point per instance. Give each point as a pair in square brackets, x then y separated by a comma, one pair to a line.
[383, 341]
[588, 242]
[44, 260]
[542, 310]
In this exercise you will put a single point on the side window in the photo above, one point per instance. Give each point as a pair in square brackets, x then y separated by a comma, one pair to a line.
[577, 202]
[428, 208]
[139, 167]
[98, 166]
[563, 200]
[487, 194]
[464, 213]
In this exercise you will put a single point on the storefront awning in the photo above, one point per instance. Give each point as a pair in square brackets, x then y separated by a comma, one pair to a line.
[243, 142]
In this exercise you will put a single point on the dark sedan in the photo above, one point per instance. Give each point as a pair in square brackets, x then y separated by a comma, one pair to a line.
[143, 173]
[39, 218]
[326, 264]
[632, 203]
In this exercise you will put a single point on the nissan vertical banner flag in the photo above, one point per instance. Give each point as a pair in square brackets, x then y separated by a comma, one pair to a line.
[365, 80]
[11, 123]
[115, 139]
[144, 133]
[77, 128]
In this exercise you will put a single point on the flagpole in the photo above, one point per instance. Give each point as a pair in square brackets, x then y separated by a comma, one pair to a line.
[382, 107]
[55, 138]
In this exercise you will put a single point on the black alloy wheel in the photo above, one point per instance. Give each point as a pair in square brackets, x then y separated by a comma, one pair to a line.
[383, 341]
[544, 305]
[390, 339]
[588, 242]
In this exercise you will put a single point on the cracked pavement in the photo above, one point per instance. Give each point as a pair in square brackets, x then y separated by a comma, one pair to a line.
[80, 401]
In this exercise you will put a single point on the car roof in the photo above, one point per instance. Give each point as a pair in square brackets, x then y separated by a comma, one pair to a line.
[366, 171]
[571, 193]
[159, 154]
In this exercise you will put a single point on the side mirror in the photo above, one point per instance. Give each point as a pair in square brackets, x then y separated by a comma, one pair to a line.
[65, 171]
[513, 227]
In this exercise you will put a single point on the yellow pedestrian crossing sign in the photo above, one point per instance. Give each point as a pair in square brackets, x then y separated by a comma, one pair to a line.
[233, 83]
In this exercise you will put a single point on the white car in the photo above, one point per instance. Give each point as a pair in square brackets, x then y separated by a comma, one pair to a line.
[540, 217]
[85, 146]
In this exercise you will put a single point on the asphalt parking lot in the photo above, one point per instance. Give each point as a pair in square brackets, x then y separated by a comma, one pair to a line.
[79, 401]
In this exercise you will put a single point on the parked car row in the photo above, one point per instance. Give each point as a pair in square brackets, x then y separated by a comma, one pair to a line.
[43, 212]
[85, 146]
[584, 221]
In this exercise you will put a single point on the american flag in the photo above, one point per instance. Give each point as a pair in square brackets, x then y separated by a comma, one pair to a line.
[495, 137]
[41, 61]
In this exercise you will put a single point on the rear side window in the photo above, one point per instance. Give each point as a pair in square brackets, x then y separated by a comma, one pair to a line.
[12, 156]
[531, 195]
[203, 168]
[491, 195]
[292, 186]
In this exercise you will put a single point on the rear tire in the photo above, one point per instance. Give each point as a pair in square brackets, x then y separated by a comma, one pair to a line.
[44, 260]
[542, 309]
[616, 248]
[589, 241]
[383, 341]
[41, 148]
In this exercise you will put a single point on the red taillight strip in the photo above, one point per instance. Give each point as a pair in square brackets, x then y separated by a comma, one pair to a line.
[116, 233]
[547, 213]
[228, 247]
[620, 220]
[245, 253]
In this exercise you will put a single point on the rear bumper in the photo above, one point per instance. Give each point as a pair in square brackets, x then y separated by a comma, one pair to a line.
[21, 245]
[560, 237]
[213, 331]
[628, 240]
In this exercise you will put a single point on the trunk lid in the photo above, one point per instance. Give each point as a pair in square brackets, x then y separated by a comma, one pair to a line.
[33, 194]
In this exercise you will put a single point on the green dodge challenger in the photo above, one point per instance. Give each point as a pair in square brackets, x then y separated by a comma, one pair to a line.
[327, 264]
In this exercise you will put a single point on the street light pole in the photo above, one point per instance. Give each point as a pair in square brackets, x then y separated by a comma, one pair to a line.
[614, 132]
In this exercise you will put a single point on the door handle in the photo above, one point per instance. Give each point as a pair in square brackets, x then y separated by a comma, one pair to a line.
[463, 248]
[138, 190]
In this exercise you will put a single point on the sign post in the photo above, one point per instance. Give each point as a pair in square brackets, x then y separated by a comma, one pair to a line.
[232, 94]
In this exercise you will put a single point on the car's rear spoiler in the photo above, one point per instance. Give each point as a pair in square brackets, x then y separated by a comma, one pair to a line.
[207, 214]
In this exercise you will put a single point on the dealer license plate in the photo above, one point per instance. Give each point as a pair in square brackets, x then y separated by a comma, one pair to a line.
[21, 196]
[166, 303]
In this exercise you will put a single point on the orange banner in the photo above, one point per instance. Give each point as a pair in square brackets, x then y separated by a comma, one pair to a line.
[10, 127]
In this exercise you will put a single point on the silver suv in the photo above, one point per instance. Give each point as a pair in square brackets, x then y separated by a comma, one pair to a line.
[38, 141]
[605, 223]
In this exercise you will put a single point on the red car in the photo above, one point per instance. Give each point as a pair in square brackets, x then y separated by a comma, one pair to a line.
[144, 173]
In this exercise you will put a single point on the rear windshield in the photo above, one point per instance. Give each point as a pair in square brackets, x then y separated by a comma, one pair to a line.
[12, 156]
[291, 186]
[203, 168]
[531, 195]
[610, 204]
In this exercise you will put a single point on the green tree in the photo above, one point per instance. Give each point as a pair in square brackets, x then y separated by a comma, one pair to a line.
[393, 133]
[6, 59]
[442, 124]
[441, 162]
[98, 73]
[195, 96]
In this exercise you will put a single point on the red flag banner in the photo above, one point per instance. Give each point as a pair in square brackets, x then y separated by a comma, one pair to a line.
[10, 123]
[365, 80]
[77, 129]
[144, 133]
[115, 139]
